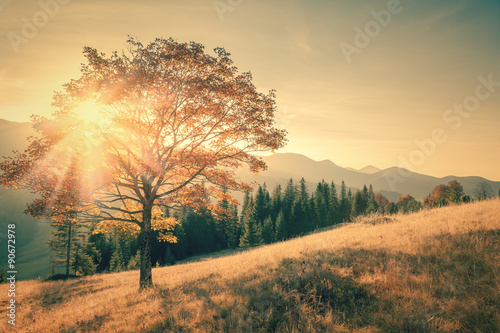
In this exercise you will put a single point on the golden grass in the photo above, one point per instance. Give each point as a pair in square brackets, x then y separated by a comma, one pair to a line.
[375, 262]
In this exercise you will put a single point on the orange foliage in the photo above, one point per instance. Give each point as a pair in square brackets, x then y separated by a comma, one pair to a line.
[174, 118]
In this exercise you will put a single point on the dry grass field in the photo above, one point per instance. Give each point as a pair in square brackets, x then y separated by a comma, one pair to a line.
[432, 271]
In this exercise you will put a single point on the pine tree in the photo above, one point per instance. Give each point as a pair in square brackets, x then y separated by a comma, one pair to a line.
[261, 204]
[334, 204]
[134, 261]
[365, 193]
[234, 229]
[276, 202]
[180, 248]
[199, 230]
[82, 263]
[168, 258]
[116, 263]
[3, 275]
[343, 191]
[321, 207]
[252, 233]
[281, 228]
[288, 199]
[313, 212]
[267, 230]
[67, 239]
[304, 216]
[344, 209]
[372, 205]
[358, 204]
[222, 222]
[104, 246]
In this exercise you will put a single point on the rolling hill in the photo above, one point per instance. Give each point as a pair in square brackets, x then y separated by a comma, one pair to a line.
[33, 254]
[432, 271]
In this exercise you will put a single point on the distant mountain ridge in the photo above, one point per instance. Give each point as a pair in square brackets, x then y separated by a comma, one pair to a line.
[369, 169]
[392, 182]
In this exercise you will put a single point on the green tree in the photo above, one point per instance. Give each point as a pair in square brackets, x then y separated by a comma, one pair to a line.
[358, 204]
[334, 204]
[180, 248]
[288, 199]
[134, 261]
[252, 232]
[262, 203]
[406, 203]
[234, 229]
[3, 275]
[83, 263]
[276, 202]
[67, 242]
[267, 231]
[116, 263]
[372, 205]
[281, 228]
[321, 211]
[455, 192]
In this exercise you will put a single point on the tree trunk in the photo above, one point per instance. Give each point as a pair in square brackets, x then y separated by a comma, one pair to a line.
[69, 251]
[146, 279]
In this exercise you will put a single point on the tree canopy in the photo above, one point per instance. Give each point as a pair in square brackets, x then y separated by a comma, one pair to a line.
[165, 125]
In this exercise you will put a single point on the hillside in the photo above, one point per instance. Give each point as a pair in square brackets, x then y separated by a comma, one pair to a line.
[35, 255]
[434, 271]
[284, 166]
[32, 253]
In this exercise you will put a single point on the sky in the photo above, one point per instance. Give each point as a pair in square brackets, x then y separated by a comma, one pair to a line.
[414, 84]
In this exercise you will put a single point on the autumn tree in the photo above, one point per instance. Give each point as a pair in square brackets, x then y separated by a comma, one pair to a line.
[406, 203]
[63, 192]
[443, 195]
[455, 192]
[170, 117]
[382, 203]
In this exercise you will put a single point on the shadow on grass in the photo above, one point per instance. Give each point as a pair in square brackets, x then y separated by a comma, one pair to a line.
[91, 325]
[286, 298]
[451, 285]
[63, 291]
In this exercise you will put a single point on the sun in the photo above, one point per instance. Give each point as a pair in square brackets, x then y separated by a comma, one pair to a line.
[90, 112]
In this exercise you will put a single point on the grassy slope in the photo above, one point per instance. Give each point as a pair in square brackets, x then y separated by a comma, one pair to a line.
[431, 271]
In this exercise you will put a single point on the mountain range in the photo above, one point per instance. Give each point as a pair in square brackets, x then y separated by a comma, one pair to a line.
[33, 255]
[392, 182]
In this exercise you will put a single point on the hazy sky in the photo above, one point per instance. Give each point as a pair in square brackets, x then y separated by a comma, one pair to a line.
[358, 82]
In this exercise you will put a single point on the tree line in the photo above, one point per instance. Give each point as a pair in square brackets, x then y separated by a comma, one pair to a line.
[265, 217]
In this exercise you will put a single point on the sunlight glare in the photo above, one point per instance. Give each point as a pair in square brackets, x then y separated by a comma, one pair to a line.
[90, 112]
